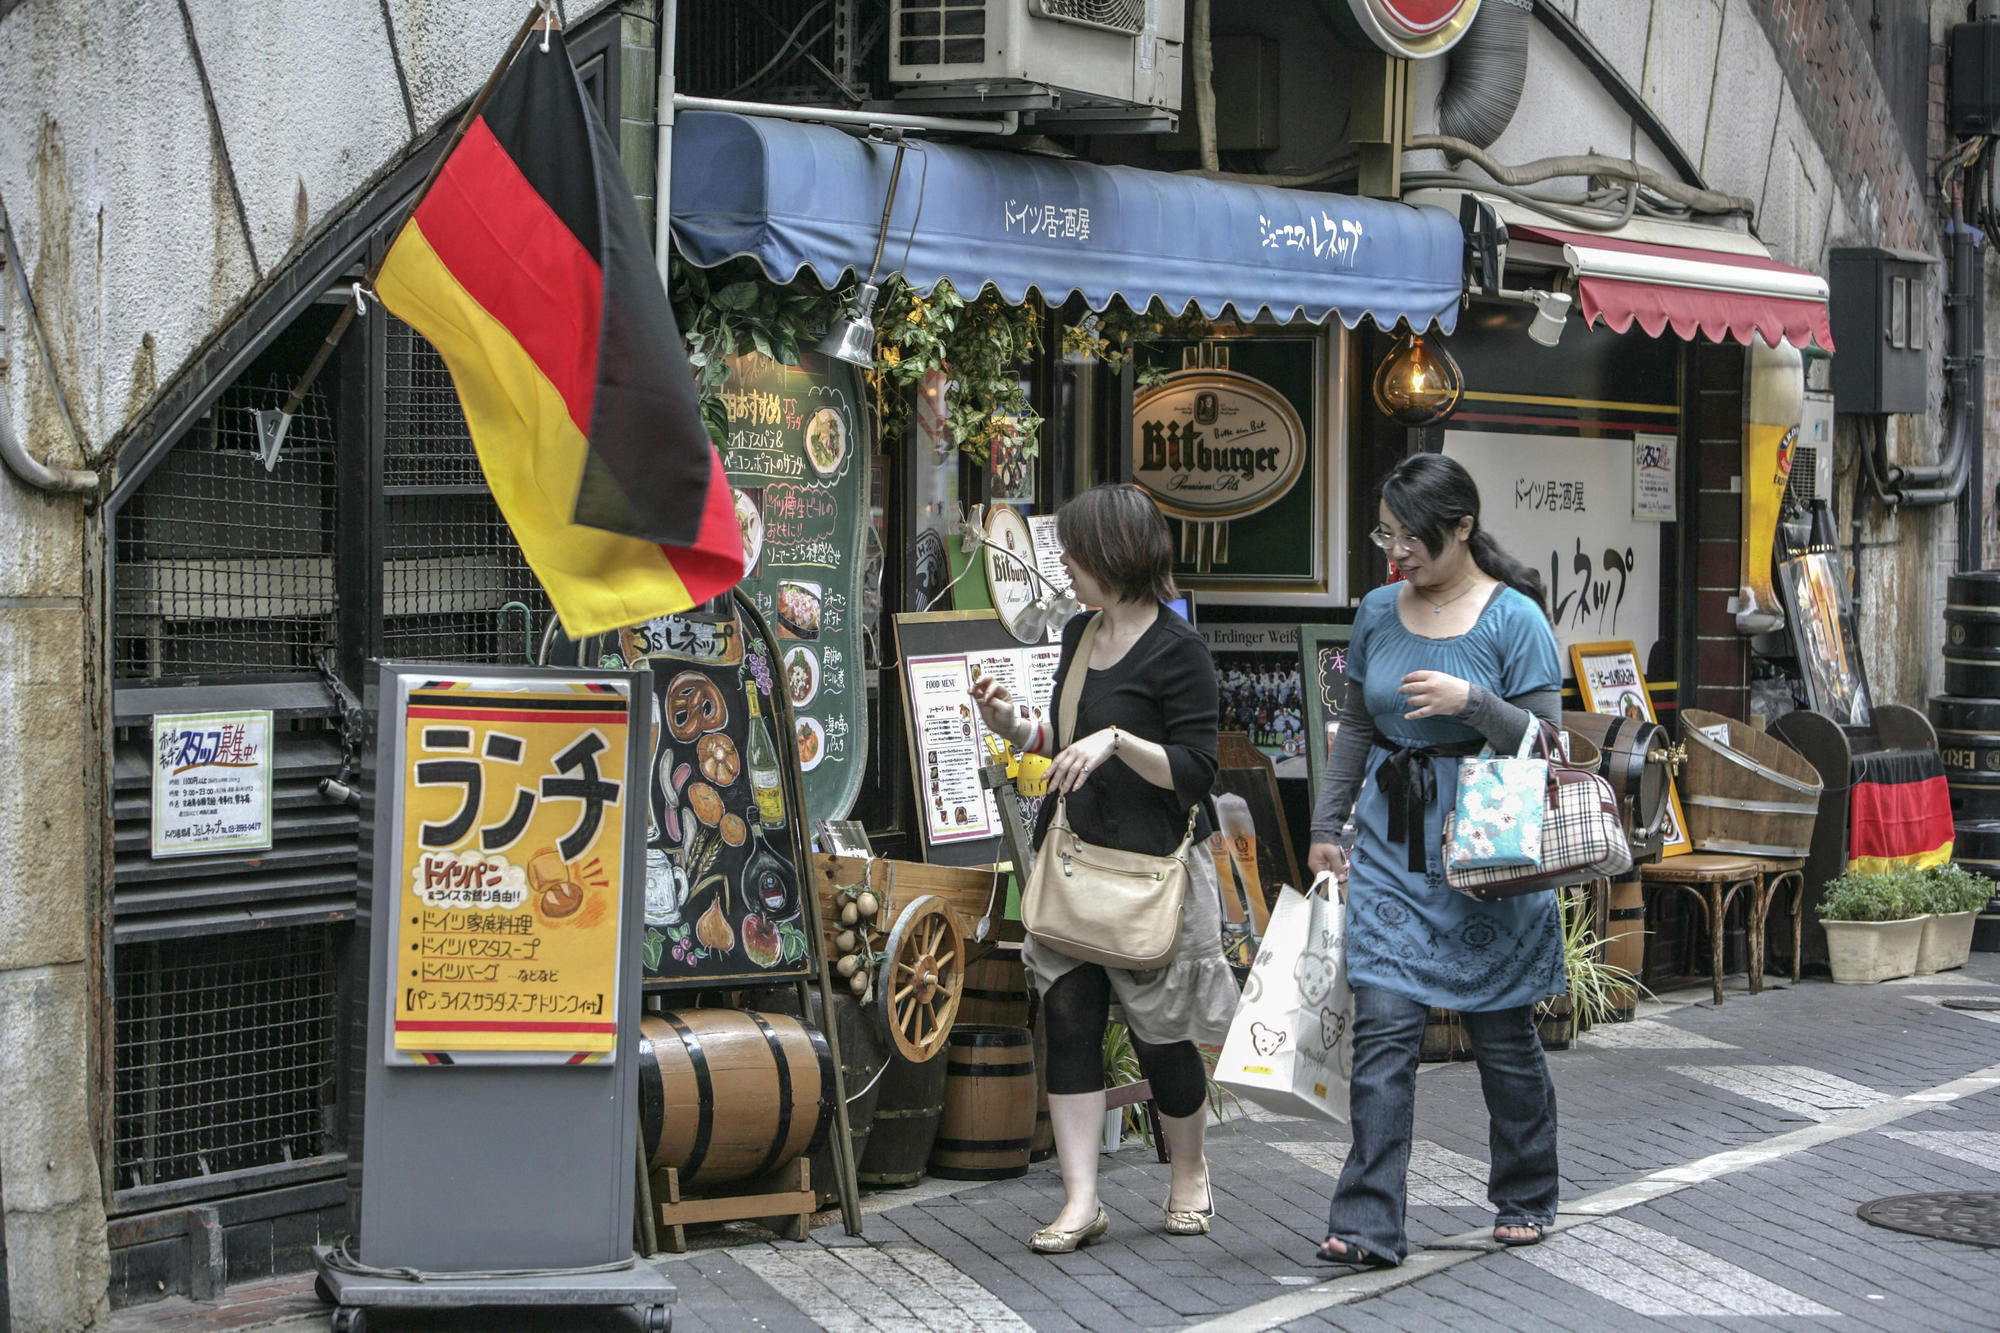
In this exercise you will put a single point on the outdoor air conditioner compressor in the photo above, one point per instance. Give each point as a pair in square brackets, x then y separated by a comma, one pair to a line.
[1106, 66]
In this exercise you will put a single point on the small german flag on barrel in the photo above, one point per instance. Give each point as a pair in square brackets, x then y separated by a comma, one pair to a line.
[527, 267]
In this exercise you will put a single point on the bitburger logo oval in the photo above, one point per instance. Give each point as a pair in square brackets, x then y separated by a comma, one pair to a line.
[1411, 29]
[1213, 444]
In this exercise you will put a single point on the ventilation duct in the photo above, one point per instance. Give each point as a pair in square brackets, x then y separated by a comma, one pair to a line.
[1485, 73]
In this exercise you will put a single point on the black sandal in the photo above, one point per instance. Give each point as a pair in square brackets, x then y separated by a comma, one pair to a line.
[1515, 1242]
[1355, 1256]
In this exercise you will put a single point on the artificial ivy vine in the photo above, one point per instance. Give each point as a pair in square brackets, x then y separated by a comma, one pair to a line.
[981, 344]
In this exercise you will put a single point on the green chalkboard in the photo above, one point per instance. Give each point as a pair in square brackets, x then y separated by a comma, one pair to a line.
[1323, 680]
[797, 457]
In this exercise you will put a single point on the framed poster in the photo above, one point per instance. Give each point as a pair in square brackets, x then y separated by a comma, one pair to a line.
[1323, 663]
[723, 902]
[1257, 670]
[509, 810]
[1823, 636]
[1564, 504]
[799, 463]
[942, 653]
[1609, 681]
[211, 783]
[1235, 445]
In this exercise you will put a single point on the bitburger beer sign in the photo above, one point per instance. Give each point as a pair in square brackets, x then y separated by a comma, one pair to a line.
[1213, 445]
[1408, 29]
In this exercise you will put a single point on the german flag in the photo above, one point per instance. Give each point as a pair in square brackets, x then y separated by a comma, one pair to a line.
[527, 267]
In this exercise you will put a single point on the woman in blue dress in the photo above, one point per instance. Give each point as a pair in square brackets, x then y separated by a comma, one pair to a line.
[1459, 654]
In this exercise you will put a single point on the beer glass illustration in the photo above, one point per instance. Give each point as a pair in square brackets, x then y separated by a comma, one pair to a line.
[1233, 813]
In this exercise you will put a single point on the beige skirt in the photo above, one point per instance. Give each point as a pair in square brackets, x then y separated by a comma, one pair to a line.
[1192, 998]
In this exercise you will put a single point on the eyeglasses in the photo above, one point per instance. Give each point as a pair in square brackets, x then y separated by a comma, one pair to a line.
[1390, 542]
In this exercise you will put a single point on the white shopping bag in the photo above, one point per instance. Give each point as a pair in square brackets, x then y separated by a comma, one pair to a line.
[1291, 1045]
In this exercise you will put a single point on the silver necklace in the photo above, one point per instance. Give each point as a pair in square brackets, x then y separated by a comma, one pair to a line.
[1437, 608]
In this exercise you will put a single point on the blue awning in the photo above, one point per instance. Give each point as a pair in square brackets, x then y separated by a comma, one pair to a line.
[801, 196]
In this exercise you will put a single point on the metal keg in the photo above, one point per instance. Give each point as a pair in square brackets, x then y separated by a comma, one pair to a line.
[1972, 635]
[1968, 732]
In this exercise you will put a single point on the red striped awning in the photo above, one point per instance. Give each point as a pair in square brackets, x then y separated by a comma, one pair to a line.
[1714, 294]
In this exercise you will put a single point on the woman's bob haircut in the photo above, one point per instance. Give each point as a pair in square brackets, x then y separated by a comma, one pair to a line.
[1118, 535]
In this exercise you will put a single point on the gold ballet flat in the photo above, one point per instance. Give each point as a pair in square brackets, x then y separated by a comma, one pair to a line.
[1190, 1222]
[1050, 1240]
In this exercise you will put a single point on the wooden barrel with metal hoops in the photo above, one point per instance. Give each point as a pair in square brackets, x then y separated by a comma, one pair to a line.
[1626, 746]
[907, 1106]
[988, 1126]
[1746, 792]
[996, 989]
[729, 1094]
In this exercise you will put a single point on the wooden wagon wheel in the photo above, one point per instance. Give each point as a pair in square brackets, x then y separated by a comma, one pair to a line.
[922, 975]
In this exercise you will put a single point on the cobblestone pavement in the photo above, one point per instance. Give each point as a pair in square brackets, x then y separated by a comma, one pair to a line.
[1713, 1157]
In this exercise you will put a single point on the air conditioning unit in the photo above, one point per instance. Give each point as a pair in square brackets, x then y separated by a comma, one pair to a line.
[1812, 455]
[1108, 66]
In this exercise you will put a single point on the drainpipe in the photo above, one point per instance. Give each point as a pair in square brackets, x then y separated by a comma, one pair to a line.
[35, 472]
[1927, 486]
[1485, 72]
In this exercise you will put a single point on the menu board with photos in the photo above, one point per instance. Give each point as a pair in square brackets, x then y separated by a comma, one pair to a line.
[798, 461]
[943, 653]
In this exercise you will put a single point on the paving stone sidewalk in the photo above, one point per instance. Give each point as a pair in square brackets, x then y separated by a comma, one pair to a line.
[1797, 1105]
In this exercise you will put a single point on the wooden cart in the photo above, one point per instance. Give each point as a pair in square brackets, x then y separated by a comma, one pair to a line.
[932, 921]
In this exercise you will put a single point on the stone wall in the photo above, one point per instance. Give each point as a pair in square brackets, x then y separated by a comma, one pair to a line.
[159, 164]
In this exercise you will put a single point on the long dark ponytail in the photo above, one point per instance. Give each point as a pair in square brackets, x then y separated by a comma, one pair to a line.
[1429, 494]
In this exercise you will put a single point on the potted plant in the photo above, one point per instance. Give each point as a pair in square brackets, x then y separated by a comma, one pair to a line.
[1952, 896]
[1874, 926]
[1597, 989]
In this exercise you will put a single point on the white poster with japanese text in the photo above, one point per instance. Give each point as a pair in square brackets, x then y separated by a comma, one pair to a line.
[211, 783]
[1564, 505]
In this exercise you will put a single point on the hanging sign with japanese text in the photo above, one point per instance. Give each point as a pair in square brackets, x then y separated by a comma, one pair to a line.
[508, 908]
[211, 783]
[1213, 444]
[1563, 505]
[797, 459]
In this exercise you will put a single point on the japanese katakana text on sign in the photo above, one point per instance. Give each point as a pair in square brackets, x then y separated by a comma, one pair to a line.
[512, 868]
[211, 783]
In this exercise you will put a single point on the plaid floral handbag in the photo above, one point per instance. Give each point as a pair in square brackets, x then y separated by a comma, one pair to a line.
[1582, 835]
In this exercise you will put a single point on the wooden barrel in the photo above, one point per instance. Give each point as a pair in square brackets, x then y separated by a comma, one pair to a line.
[1625, 746]
[728, 1094]
[864, 1054]
[1625, 941]
[1972, 634]
[1444, 1038]
[996, 990]
[1045, 1134]
[988, 1126]
[1745, 791]
[908, 1102]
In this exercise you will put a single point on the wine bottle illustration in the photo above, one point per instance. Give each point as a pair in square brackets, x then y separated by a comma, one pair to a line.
[764, 769]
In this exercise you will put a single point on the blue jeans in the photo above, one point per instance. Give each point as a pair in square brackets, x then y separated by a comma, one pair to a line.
[1369, 1201]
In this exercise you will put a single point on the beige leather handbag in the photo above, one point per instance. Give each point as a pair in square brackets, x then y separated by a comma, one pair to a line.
[1100, 904]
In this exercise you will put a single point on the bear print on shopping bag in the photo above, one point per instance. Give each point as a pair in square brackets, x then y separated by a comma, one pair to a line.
[1315, 974]
[1267, 1040]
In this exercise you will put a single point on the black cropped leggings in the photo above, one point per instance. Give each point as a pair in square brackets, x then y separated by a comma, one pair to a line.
[1074, 1012]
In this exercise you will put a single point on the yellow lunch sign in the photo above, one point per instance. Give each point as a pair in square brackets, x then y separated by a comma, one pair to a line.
[511, 870]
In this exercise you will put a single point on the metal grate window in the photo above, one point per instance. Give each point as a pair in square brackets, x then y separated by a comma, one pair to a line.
[934, 32]
[225, 568]
[225, 1053]
[455, 586]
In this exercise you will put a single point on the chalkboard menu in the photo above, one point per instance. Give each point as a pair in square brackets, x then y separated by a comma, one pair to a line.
[722, 870]
[797, 459]
[1323, 660]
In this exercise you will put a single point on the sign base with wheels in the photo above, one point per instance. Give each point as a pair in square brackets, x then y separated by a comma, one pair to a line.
[354, 1294]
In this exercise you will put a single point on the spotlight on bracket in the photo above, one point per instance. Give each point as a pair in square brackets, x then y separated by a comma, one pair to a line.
[1551, 313]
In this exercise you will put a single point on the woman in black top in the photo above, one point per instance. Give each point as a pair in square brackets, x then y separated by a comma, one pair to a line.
[1142, 758]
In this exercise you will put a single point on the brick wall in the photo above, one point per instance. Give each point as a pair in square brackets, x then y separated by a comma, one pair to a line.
[1720, 659]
